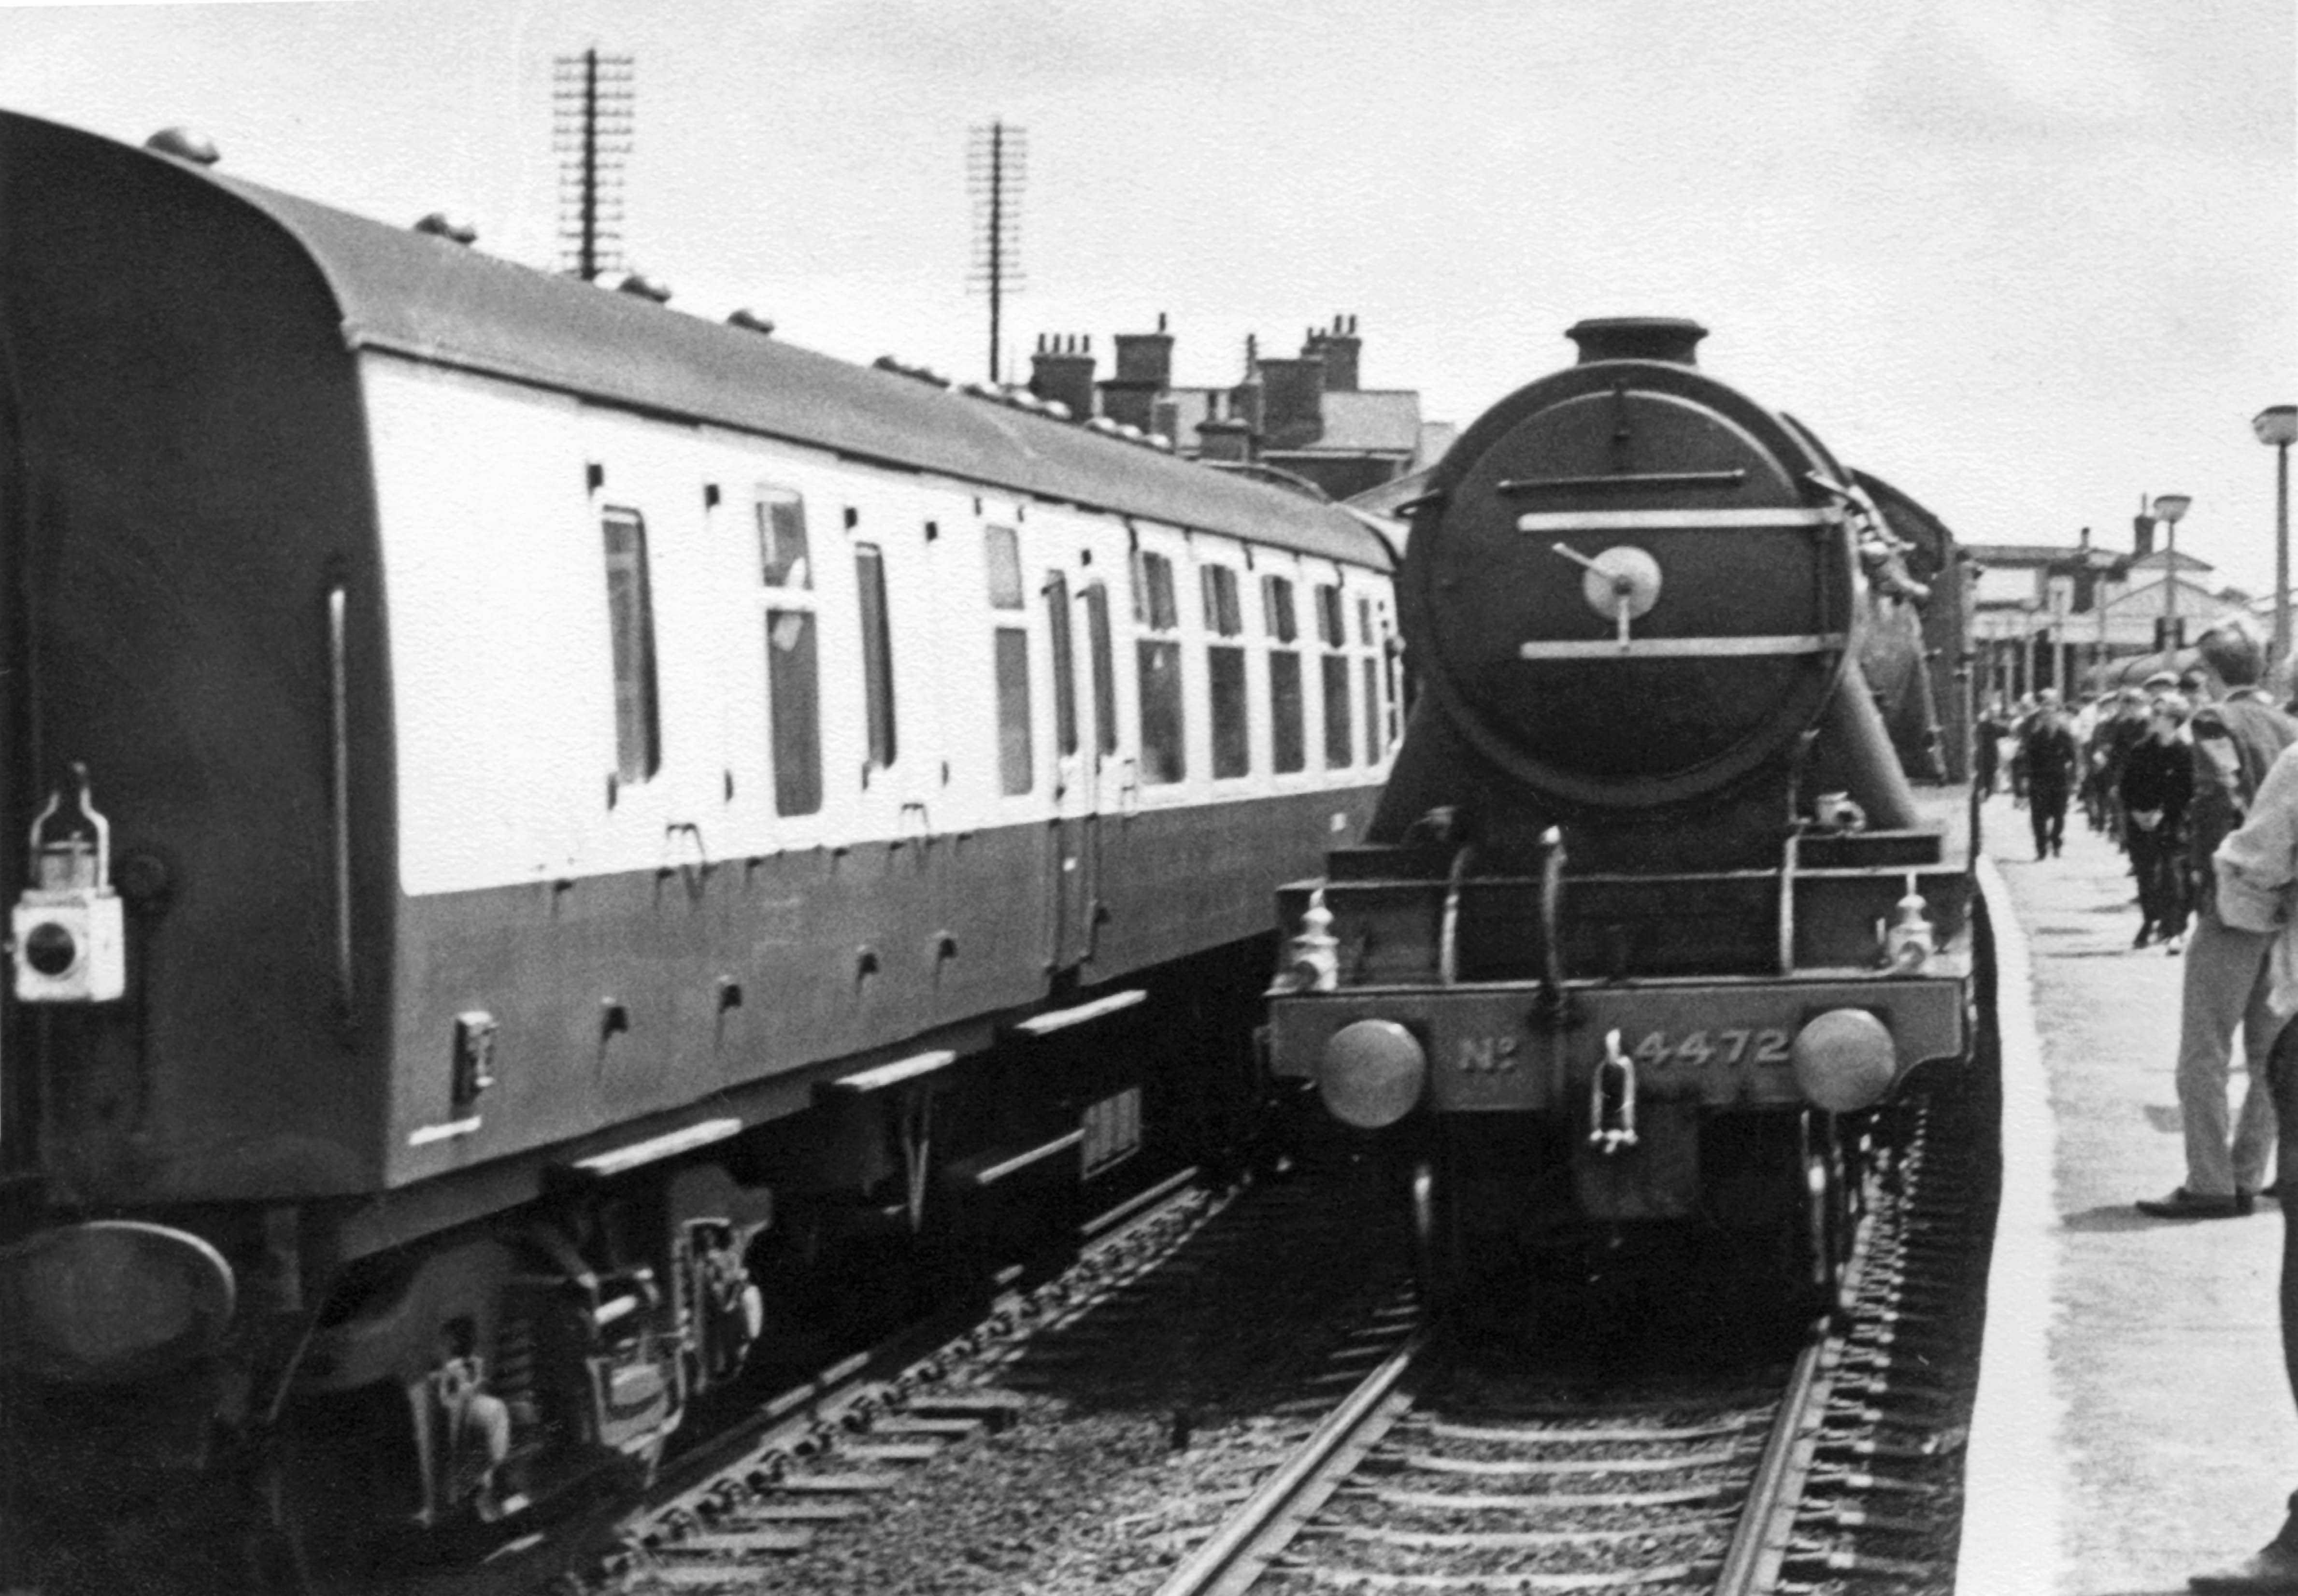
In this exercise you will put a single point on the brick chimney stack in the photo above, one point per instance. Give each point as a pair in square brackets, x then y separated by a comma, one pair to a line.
[1293, 402]
[1145, 369]
[1340, 348]
[1225, 437]
[1061, 370]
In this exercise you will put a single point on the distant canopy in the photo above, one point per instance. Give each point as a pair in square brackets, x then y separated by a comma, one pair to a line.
[2230, 650]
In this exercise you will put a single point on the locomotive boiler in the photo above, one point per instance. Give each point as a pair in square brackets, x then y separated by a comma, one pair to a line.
[1670, 886]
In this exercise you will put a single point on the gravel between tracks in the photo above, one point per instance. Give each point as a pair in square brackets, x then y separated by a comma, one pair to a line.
[1086, 1491]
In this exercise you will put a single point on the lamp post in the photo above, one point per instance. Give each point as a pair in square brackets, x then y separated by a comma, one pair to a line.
[2170, 508]
[2278, 425]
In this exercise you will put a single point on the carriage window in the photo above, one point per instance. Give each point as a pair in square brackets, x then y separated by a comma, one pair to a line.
[1104, 667]
[1057, 631]
[630, 619]
[877, 654]
[793, 679]
[1223, 617]
[1339, 729]
[781, 540]
[1163, 749]
[1152, 592]
[1014, 761]
[1225, 672]
[1288, 737]
[1003, 555]
[1371, 711]
[1364, 621]
[1276, 609]
[1393, 698]
[794, 711]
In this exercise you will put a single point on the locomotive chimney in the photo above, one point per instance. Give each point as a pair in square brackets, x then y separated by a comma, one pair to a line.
[1061, 370]
[1669, 338]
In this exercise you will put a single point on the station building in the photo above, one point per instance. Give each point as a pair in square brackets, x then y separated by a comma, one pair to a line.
[2045, 615]
[1305, 417]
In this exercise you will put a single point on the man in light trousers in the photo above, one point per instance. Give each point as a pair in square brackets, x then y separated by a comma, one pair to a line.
[2229, 980]
[2257, 878]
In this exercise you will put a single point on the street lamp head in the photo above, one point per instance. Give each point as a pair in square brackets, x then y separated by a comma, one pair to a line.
[2276, 424]
[2171, 507]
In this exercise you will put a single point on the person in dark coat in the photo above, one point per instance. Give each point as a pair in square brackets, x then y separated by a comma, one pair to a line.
[1986, 752]
[2048, 757]
[2113, 743]
[2158, 781]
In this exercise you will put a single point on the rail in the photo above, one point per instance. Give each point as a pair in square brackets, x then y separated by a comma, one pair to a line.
[1759, 1543]
[1234, 1557]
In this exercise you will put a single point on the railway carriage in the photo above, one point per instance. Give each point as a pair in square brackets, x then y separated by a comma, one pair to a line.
[556, 832]
[1671, 886]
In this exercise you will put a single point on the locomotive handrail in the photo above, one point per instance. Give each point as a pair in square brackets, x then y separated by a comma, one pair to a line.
[1447, 943]
[1735, 477]
[1687, 648]
[1789, 860]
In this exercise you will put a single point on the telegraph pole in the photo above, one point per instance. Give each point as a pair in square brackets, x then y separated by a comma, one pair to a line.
[997, 167]
[590, 119]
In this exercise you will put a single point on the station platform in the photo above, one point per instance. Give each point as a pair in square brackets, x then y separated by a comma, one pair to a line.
[2134, 1425]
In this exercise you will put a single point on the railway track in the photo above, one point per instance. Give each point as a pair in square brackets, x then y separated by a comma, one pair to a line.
[819, 1456]
[1429, 1476]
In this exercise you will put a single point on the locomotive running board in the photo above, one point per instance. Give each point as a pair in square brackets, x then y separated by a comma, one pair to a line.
[605, 1166]
[901, 1069]
[1060, 1019]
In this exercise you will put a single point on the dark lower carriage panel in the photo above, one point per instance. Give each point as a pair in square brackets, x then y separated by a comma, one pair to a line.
[638, 1200]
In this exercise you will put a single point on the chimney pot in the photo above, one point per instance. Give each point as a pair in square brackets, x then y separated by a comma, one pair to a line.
[1063, 373]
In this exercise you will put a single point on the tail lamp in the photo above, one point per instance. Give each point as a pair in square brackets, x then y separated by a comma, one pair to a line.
[70, 943]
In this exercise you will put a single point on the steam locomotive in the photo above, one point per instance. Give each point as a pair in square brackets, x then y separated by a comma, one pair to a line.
[1671, 886]
[564, 843]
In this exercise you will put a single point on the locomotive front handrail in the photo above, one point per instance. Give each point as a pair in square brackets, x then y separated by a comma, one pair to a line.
[1735, 477]
[1790, 857]
[1687, 648]
[1448, 940]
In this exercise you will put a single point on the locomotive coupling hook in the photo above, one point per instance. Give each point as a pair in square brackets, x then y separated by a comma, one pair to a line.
[1612, 1098]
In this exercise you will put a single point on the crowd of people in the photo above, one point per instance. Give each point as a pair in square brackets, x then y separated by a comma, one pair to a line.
[2197, 782]
[2163, 770]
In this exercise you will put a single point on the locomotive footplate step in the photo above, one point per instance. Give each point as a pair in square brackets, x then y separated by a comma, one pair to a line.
[2133, 1423]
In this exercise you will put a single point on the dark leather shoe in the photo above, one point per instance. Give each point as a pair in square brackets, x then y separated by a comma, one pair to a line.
[2184, 1204]
[2275, 1568]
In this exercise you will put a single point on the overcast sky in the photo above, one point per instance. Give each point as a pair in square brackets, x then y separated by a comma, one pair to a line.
[2026, 259]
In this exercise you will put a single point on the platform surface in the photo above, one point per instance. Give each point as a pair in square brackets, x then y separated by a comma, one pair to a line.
[2133, 1424]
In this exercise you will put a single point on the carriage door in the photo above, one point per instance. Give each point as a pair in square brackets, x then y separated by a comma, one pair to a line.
[1075, 867]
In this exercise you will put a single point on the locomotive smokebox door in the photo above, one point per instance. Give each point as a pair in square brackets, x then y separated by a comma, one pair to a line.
[69, 942]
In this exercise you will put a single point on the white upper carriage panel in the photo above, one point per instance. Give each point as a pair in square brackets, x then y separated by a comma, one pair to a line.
[585, 643]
